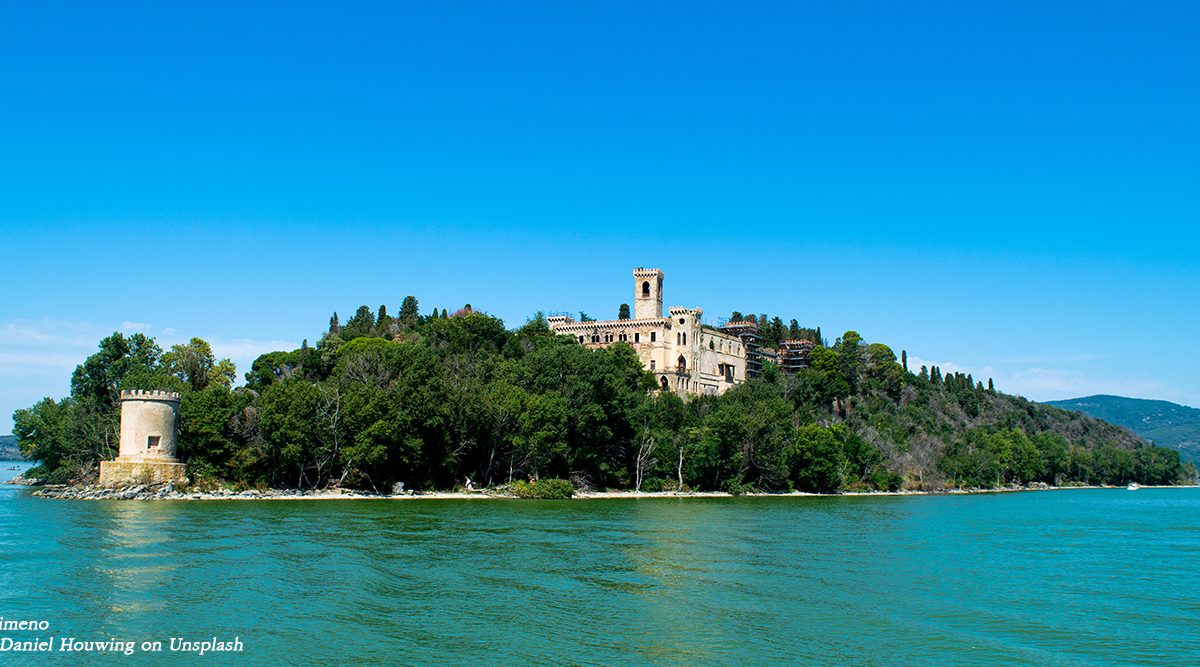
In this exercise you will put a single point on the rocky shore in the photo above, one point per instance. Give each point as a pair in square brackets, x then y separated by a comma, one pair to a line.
[171, 492]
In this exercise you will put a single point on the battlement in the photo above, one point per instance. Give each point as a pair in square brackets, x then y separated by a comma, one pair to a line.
[642, 272]
[150, 395]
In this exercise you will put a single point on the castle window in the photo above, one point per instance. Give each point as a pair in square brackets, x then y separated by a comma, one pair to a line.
[152, 442]
[653, 336]
[664, 383]
[652, 364]
[681, 320]
[581, 340]
[682, 364]
[595, 339]
[637, 337]
[646, 288]
[685, 338]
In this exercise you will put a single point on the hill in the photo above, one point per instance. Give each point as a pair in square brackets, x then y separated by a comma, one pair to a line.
[1161, 422]
[8, 448]
[446, 400]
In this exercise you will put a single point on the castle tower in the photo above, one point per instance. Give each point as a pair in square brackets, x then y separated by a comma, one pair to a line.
[647, 296]
[149, 440]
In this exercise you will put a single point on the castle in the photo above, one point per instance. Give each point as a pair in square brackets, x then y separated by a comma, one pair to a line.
[685, 356]
[149, 437]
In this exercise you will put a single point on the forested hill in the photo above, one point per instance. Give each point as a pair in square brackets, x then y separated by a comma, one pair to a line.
[1162, 422]
[8, 448]
[432, 401]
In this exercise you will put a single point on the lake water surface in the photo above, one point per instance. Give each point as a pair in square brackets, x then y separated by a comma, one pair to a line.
[1063, 577]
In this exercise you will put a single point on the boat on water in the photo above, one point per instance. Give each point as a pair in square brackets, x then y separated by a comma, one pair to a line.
[1133, 486]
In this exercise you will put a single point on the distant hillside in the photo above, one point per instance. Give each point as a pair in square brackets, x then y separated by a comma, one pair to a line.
[8, 448]
[1164, 423]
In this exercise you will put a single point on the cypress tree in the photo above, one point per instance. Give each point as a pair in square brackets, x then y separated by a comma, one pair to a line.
[409, 313]
[334, 325]
[623, 312]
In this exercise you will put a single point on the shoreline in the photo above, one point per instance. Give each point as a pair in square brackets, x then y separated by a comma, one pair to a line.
[168, 492]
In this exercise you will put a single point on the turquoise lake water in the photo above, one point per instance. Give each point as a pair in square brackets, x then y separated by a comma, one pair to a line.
[1075, 577]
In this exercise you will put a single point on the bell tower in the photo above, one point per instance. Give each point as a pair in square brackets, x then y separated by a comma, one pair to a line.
[647, 295]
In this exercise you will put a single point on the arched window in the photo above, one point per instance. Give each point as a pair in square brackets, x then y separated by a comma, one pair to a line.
[685, 338]
[581, 340]
[682, 364]
[646, 288]
[664, 383]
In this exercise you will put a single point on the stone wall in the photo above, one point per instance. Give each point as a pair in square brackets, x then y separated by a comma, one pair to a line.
[121, 473]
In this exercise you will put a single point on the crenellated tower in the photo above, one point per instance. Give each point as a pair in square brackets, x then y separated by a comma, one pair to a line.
[149, 440]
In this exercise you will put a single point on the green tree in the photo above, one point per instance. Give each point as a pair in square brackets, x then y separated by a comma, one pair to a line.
[362, 324]
[102, 375]
[410, 313]
[623, 312]
[816, 461]
[195, 364]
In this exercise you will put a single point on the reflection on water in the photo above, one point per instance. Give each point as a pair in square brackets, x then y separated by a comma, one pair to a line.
[1066, 577]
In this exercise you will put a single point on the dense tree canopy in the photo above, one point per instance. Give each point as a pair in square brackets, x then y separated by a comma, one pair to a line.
[431, 402]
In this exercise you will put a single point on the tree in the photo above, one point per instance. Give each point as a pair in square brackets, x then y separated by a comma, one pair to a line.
[409, 312]
[334, 326]
[385, 324]
[623, 312]
[195, 364]
[102, 375]
[647, 445]
[778, 332]
[815, 460]
[362, 324]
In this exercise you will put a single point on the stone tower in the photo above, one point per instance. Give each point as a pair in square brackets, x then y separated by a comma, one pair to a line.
[149, 440]
[647, 295]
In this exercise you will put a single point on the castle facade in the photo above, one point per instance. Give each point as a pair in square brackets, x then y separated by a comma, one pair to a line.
[685, 356]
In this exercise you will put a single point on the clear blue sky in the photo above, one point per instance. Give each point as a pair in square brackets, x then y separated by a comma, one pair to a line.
[1011, 189]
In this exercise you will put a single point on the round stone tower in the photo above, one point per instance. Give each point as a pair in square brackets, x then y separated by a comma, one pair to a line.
[149, 425]
[149, 440]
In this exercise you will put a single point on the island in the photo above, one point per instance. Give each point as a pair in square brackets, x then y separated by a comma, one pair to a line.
[645, 402]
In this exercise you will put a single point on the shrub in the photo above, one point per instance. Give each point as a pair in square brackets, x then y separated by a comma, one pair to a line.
[38, 472]
[736, 488]
[886, 480]
[63, 475]
[542, 489]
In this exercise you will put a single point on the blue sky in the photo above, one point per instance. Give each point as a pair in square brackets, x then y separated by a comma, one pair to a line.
[1009, 189]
